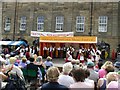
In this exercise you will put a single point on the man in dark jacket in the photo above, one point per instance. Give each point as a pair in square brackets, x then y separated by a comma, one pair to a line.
[52, 76]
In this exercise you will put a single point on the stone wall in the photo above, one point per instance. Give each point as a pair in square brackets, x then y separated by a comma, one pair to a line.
[67, 9]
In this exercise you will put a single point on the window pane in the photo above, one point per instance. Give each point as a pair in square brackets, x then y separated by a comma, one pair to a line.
[40, 19]
[59, 23]
[40, 27]
[80, 19]
[40, 23]
[80, 23]
[102, 24]
[7, 24]
[23, 19]
[23, 23]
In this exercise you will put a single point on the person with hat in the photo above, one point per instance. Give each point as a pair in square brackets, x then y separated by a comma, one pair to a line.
[93, 74]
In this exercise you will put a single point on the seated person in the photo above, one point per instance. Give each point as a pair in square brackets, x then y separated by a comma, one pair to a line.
[23, 63]
[52, 84]
[48, 63]
[33, 68]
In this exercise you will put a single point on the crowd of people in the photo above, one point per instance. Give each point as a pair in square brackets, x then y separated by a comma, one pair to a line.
[86, 70]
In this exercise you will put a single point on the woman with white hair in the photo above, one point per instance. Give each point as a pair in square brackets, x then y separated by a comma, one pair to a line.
[112, 80]
[65, 78]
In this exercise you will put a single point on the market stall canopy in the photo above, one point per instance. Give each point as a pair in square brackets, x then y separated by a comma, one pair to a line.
[75, 39]
[13, 43]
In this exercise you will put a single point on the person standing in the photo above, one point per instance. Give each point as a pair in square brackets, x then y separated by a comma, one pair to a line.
[64, 51]
[51, 51]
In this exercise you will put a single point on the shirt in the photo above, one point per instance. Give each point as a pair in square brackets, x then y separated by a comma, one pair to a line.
[81, 85]
[65, 80]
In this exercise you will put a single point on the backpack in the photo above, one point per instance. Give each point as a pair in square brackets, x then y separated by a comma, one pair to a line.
[14, 82]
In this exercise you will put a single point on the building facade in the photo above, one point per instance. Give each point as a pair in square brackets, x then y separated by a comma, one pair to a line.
[99, 19]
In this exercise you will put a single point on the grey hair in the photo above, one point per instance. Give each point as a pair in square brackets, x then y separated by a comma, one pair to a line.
[67, 67]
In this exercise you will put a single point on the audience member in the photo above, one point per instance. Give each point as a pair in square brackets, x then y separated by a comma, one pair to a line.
[12, 69]
[52, 77]
[113, 85]
[87, 80]
[2, 76]
[75, 63]
[23, 63]
[112, 79]
[112, 76]
[64, 78]
[34, 68]
[117, 66]
[102, 82]
[79, 76]
[48, 63]
[102, 72]
[93, 74]
[42, 68]
[7, 56]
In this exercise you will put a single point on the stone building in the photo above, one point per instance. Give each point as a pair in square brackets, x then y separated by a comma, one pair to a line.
[99, 19]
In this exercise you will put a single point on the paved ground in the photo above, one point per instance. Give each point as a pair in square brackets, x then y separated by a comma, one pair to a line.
[60, 61]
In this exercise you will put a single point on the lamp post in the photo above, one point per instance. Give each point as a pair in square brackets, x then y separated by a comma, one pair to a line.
[14, 31]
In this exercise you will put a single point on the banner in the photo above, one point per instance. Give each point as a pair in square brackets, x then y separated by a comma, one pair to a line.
[75, 39]
[38, 34]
